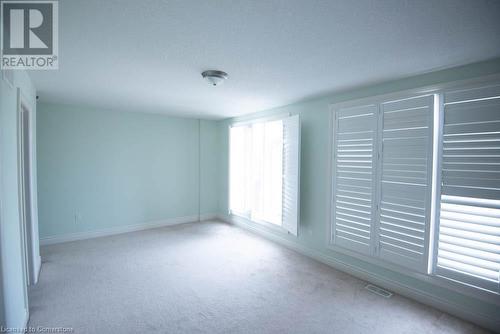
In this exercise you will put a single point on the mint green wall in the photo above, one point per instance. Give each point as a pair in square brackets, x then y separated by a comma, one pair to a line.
[209, 154]
[314, 164]
[13, 305]
[112, 169]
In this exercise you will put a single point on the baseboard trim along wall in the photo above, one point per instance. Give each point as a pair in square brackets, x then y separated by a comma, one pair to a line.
[38, 267]
[208, 216]
[26, 319]
[124, 229]
[405, 290]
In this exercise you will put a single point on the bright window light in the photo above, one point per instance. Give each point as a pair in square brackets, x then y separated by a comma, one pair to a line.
[256, 171]
[470, 237]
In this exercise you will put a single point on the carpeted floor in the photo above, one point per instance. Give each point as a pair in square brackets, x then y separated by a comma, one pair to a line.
[212, 278]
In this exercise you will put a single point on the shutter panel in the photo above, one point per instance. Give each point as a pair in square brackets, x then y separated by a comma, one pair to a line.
[355, 131]
[405, 187]
[469, 224]
[291, 173]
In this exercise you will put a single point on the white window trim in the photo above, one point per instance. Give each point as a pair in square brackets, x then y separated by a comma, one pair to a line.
[436, 184]
[245, 216]
[430, 277]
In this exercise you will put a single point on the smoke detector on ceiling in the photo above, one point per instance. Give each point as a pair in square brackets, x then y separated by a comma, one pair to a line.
[214, 77]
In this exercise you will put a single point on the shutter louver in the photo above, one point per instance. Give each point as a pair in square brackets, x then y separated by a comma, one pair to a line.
[291, 174]
[469, 224]
[354, 177]
[405, 194]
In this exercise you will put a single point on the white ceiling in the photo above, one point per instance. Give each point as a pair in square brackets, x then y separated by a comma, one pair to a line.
[148, 55]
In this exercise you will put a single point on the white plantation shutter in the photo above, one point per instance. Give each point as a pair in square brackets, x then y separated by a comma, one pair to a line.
[405, 181]
[291, 173]
[382, 192]
[469, 224]
[355, 131]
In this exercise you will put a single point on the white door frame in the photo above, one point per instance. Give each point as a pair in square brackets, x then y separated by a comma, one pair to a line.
[26, 195]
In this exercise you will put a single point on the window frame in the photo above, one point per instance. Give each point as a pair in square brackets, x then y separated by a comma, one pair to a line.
[429, 277]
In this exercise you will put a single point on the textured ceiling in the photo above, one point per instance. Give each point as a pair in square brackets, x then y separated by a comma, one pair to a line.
[147, 56]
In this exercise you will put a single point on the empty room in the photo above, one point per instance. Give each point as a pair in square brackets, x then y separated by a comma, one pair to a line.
[250, 166]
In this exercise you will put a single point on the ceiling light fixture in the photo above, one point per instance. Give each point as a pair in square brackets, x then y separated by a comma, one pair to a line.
[214, 77]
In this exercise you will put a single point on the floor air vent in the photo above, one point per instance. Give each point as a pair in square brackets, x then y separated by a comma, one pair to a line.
[379, 291]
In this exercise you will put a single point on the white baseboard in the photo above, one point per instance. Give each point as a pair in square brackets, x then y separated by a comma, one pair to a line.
[116, 230]
[224, 218]
[26, 319]
[461, 311]
[38, 267]
[208, 216]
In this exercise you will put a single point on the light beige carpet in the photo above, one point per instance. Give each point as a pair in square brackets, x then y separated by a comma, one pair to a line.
[212, 278]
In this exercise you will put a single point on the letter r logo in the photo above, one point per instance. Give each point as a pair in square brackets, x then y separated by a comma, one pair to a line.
[27, 28]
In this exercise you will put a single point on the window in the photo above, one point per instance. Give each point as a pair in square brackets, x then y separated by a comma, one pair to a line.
[264, 172]
[239, 173]
[382, 185]
[469, 220]
[388, 158]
